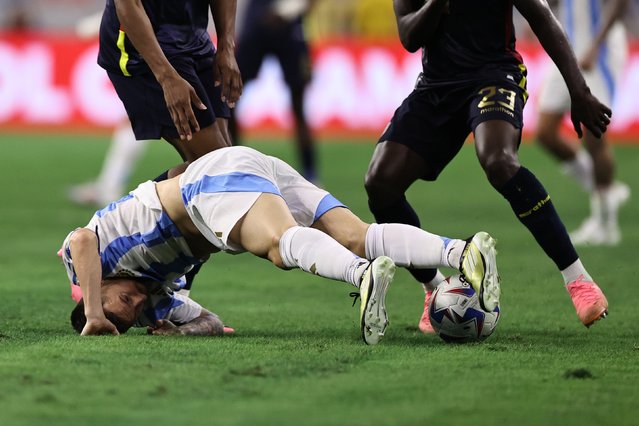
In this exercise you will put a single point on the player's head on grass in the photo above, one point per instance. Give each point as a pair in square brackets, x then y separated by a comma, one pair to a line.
[122, 301]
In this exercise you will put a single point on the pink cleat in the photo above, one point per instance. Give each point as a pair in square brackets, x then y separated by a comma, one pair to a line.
[424, 323]
[590, 303]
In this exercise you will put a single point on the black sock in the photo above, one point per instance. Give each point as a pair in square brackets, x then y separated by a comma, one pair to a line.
[402, 212]
[307, 155]
[531, 203]
[190, 276]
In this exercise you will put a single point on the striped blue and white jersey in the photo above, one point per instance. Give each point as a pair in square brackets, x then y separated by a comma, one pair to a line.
[138, 239]
[582, 20]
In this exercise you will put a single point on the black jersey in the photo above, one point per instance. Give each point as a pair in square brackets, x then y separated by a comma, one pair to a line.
[180, 27]
[472, 40]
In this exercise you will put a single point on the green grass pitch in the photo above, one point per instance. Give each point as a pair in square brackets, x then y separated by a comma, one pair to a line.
[297, 357]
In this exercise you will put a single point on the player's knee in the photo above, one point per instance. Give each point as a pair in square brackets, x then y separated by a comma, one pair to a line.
[355, 241]
[500, 167]
[273, 254]
[82, 237]
[377, 184]
[546, 137]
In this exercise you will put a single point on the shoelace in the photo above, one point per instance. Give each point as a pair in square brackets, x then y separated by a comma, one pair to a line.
[354, 295]
[585, 292]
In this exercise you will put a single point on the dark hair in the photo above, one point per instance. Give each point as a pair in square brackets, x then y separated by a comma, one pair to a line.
[79, 320]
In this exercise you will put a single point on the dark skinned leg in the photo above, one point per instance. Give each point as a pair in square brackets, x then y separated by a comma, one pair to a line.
[602, 159]
[550, 138]
[206, 140]
[233, 129]
[392, 170]
[496, 143]
[303, 136]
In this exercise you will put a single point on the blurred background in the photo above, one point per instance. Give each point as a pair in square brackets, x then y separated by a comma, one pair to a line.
[49, 79]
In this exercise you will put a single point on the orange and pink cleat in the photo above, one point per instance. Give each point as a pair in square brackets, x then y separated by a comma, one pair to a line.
[590, 303]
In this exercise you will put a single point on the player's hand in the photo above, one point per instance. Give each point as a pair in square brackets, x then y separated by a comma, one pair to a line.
[226, 74]
[587, 110]
[165, 328]
[180, 96]
[99, 326]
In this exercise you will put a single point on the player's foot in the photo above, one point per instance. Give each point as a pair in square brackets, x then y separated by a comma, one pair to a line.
[91, 194]
[619, 194]
[590, 303]
[424, 323]
[594, 233]
[479, 266]
[84, 194]
[372, 290]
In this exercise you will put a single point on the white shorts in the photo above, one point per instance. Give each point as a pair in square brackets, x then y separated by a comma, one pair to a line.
[219, 188]
[602, 78]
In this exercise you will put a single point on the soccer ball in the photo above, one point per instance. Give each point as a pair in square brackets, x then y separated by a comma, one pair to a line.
[456, 314]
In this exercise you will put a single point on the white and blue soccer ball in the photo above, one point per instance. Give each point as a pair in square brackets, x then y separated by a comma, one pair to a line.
[456, 315]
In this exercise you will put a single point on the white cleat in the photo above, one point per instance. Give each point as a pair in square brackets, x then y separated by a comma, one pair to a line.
[372, 291]
[479, 267]
[91, 194]
[601, 229]
[594, 233]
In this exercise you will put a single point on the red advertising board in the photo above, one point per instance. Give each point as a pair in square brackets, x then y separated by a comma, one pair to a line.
[53, 82]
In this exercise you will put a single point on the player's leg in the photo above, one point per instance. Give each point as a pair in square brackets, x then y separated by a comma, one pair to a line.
[607, 195]
[413, 247]
[497, 142]
[124, 152]
[249, 55]
[602, 227]
[204, 141]
[554, 104]
[400, 159]
[551, 140]
[392, 170]
[269, 230]
[407, 245]
[303, 136]
[292, 52]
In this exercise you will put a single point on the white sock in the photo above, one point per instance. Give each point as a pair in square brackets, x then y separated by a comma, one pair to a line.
[597, 211]
[608, 207]
[581, 169]
[122, 156]
[315, 252]
[412, 247]
[574, 271]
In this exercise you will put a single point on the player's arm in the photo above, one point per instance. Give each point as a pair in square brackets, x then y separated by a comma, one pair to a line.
[178, 93]
[83, 245]
[586, 109]
[613, 12]
[417, 21]
[228, 73]
[206, 324]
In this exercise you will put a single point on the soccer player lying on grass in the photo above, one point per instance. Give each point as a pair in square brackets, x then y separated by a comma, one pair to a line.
[161, 310]
[235, 200]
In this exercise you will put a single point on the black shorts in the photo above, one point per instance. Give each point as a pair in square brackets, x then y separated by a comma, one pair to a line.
[435, 122]
[143, 98]
[288, 46]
